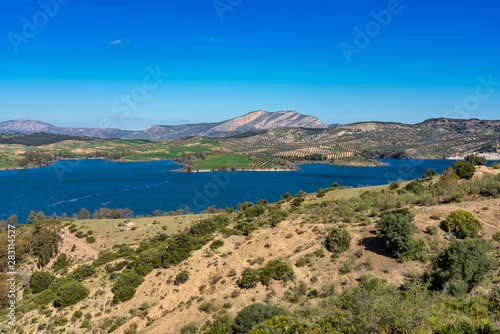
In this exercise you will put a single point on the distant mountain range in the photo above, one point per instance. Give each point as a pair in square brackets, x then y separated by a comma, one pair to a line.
[256, 120]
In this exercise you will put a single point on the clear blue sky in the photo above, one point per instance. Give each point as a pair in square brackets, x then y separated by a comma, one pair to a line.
[271, 55]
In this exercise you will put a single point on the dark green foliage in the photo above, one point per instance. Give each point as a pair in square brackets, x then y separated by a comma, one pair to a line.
[190, 328]
[394, 185]
[124, 287]
[39, 139]
[45, 297]
[475, 160]
[83, 272]
[254, 211]
[495, 165]
[77, 315]
[396, 230]
[216, 244]
[464, 169]
[465, 260]
[321, 193]
[209, 225]
[428, 174]
[40, 280]
[466, 326]
[70, 292]
[90, 240]
[249, 278]
[253, 315]
[104, 258]
[222, 324]
[338, 240]
[277, 270]
[150, 259]
[124, 293]
[415, 187]
[286, 196]
[181, 277]
[463, 224]
[62, 262]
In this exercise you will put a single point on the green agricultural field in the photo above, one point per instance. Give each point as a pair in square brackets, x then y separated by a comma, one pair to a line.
[230, 160]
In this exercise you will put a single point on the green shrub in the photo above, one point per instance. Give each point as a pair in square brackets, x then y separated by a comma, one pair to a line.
[222, 324]
[301, 262]
[496, 236]
[61, 263]
[253, 315]
[254, 211]
[124, 287]
[475, 160]
[41, 280]
[190, 328]
[77, 315]
[464, 169]
[428, 174]
[249, 278]
[465, 260]
[83, 272]
[124, 293]
[394, 185]
[415, 187]
[90, 240]
[70, 292]
[338, 241]
[321, 193]
[396, 230]
[182, 277]
[206, 307]
[432, 230]
[277, 270]
[495, 165]
[216, 244]
[45, 297]
[286, 196]
[463, 224]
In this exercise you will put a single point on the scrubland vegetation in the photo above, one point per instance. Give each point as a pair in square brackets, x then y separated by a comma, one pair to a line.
[414, 257]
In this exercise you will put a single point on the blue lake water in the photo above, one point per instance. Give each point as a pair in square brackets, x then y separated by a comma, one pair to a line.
[67, 186]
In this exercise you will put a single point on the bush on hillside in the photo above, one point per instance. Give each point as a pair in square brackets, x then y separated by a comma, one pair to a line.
[181, 277]
[463, 224]
[338, 240]
[216, 244]
[475, 160]
[277, 270]
[396, 230]
[464, 169]
[40, 280]
[253, 315]
[249, 278]
[464, 261]
[70, 292]
[83, 272]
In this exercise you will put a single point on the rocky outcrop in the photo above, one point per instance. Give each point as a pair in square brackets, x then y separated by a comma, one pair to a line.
[256, 120]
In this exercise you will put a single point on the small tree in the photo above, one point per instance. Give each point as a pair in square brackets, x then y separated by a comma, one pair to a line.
[249, 278]
[84, 214]
[465, 260]
[70, 292]
[253, 315]
[396, 230]
[338, 241]
[40, 280]
[464, 169]
[463, 224]
[182, 277]
[428, 174]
